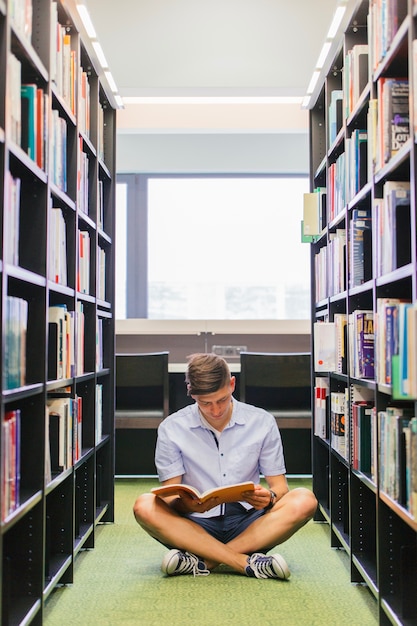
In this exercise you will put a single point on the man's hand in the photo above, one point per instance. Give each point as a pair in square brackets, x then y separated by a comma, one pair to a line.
[259, 498]
[187, 504]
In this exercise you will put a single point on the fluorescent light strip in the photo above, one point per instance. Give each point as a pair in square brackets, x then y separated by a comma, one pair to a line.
[111, 82]
[337, 20]
[334, 27]
[313, 81]
[100, 54]
[323, 54]
[212, 100]
[86, 20]
[306, 102]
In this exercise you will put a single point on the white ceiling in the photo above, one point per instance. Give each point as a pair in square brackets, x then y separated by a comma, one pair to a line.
[217, 48]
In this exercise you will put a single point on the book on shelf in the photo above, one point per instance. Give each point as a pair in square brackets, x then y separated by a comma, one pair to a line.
[338, 422]
[100, 207]
[394, 458]
[320, 274]
[29, 117]
[321, 394]
[387, 337]
[372, 136]
[76, 405]
[101, 274]
[16, 323]
[64, 71]
[336, 187]
[82, 180]
[83, 272]
[383, 25]
[337, 261]
[100, 136]
[360, 257]
[393, 116]
[340, 325]
[83, 118]
[228, 493]
[21, 13]
[392, 223]
[10, 462]
[412, 471]
[99, 344]
[65, 431]
[356, 148]
[404, 365]
[58, 141]
[57, 247]
[13, 98]
[361, 343]
[335, 114]
[361, 436]
[324, 338]
[79, 333]
[61, 342]
[414, 95]
[11, 219]
[355, 76]
[99, 414]
[311, 213]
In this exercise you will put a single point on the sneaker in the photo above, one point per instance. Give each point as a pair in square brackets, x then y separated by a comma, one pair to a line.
[262, 566]
[176, 562]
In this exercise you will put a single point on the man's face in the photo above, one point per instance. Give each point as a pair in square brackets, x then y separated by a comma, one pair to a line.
[216, 406]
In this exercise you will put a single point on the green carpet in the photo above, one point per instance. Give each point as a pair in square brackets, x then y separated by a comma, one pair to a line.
[120, 582]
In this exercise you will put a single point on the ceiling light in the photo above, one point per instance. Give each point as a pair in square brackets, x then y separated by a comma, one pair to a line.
[313, 81]
[111, 81]
[212, 99]
[323, 54]
[86, 20]
[100, 54]
[337, 20]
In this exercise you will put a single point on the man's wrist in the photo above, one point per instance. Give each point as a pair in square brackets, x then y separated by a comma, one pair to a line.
[273, 499]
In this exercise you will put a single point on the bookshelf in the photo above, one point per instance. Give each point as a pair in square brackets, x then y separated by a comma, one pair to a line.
[57, 194]
[364, 300]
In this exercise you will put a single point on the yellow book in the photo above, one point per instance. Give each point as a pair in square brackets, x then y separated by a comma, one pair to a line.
[229, 493]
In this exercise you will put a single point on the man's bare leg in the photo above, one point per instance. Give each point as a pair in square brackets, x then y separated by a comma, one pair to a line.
[289, 514]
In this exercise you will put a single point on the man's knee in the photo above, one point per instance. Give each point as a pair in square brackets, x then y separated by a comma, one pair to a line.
[308, 503]
[142, 509]
[304, 503]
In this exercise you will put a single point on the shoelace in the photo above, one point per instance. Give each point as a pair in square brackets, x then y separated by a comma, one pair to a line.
[189, 563]
[261, 566]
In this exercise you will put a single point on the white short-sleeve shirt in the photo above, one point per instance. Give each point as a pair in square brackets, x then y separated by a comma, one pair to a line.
[250, 445]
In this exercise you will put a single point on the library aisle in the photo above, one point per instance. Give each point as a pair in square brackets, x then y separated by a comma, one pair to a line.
[121, 583]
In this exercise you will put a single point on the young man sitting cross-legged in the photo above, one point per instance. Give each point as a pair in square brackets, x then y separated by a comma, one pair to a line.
[220, 441]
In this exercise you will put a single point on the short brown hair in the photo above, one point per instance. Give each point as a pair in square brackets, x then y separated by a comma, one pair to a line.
[206, 373]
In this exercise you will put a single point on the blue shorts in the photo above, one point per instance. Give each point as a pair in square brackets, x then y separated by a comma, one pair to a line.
[226, 527]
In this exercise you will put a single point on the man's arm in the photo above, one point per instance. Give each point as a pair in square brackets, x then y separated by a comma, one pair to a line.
[278, 484]
[262, 497]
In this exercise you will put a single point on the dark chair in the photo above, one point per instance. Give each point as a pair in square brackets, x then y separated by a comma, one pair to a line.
[142, 402]
[281, 384]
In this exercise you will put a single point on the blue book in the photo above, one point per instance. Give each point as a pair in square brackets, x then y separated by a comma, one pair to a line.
[28, 94]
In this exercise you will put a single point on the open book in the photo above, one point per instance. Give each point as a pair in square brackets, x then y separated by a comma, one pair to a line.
[230, 493]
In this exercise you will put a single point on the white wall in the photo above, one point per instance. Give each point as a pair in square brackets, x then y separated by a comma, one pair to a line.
[213, 153]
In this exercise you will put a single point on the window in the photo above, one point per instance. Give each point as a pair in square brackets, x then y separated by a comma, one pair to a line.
[223, 248]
